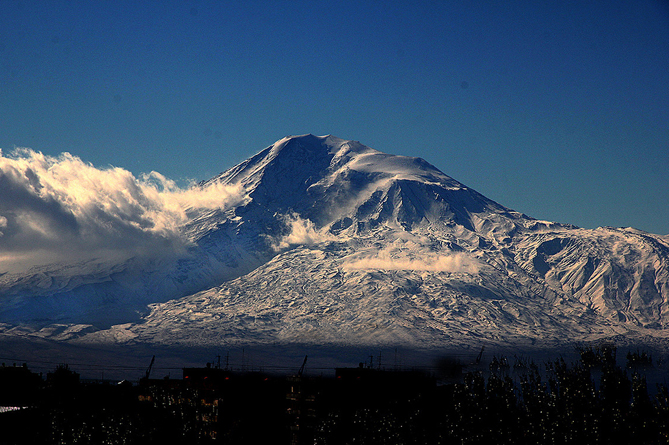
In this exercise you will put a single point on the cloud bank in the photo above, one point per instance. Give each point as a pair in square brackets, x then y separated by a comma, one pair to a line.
[64, 209]
[456, 262]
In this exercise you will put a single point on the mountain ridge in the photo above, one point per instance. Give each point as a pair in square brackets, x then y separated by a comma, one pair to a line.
[400, 252]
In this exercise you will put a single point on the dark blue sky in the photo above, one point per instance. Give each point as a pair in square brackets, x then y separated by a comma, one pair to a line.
[558, 109]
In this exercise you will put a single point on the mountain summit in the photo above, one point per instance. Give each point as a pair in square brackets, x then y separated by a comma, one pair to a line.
[341, 184]
[328, 241]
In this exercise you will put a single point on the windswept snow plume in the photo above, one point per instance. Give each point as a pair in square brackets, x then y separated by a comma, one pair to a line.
[302, 232]
[61, 209]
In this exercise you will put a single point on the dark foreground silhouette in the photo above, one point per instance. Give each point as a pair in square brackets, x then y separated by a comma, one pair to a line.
[593, 400]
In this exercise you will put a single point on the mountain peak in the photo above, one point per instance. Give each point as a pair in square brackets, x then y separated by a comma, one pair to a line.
[330, 180]
[311, 156]
[327, 146]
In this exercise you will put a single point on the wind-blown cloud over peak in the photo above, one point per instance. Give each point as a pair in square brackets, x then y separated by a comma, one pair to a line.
[62, 207]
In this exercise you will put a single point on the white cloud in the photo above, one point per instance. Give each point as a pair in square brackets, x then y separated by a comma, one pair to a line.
[61, 207]
[456, 262]
[301, 232]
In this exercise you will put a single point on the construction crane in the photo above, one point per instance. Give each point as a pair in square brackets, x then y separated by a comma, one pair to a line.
[478, 359]
[299, 373]
[148, 370]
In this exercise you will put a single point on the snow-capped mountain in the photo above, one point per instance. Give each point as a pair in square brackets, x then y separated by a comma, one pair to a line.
[334, 242]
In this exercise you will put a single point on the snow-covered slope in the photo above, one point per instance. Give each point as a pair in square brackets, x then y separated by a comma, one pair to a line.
[334, 242]
[344, 184]
[422, 289]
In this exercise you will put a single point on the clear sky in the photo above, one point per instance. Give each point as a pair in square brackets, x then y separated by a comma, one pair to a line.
[558, 109]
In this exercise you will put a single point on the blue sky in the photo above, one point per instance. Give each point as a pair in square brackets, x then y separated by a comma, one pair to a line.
[557, 109]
